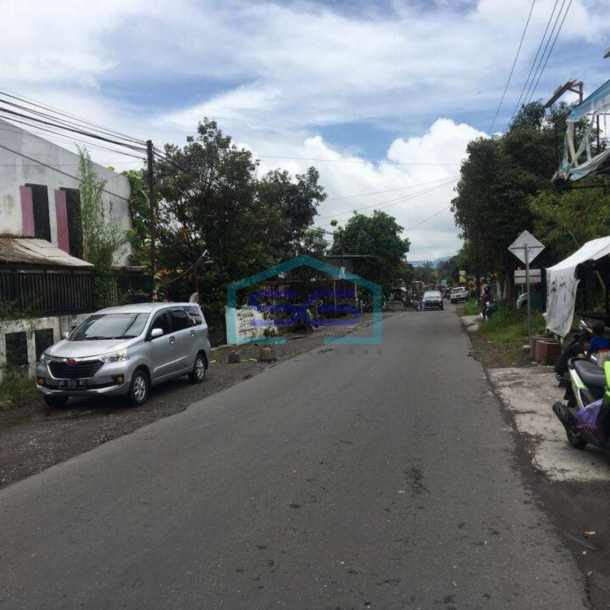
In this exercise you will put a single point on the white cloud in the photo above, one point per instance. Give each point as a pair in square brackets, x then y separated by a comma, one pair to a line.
[274, 74]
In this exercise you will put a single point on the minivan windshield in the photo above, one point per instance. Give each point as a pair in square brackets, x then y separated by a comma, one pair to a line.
[432, 294]
[105, 326]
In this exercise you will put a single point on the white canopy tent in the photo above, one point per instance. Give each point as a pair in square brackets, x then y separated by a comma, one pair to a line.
[562, 284]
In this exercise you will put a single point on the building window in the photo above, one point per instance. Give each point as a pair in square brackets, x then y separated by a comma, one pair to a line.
[16, 349]
[40, 207]
[43, 339]
[75, 223]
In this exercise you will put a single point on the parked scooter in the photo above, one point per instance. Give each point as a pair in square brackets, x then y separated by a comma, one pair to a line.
[588, 383]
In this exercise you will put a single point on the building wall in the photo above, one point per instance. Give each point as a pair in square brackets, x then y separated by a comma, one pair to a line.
[16, 171]
[58, 324]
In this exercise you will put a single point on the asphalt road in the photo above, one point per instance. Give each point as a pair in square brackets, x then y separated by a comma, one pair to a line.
[373, 477]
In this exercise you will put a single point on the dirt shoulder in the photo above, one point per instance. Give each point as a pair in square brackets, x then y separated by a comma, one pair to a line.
[33, 438]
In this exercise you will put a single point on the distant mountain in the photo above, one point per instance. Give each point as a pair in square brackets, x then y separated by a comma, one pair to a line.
[435, 262]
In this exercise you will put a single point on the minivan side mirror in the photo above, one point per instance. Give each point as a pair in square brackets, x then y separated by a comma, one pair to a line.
[65, 335]
[156, 332]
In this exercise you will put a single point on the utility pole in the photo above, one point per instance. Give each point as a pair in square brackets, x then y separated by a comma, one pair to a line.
[575, 86]
[153, 220]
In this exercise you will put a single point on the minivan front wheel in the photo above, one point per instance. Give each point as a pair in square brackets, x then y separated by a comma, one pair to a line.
[139, 388]
[55, 402]
[197, 375]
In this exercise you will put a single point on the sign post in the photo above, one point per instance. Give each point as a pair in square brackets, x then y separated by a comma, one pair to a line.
[526, 248]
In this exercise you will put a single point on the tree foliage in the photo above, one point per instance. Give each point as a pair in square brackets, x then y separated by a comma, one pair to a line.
[211, 198]
[565, 221]
[103, 234]
[139, 212]
[425, 273]
[449, 270]
[379, 236]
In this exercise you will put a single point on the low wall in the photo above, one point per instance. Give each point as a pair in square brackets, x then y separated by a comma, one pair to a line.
[20, 348]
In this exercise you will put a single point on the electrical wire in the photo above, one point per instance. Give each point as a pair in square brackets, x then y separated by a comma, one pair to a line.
[78, 131]
[529, 92]
[61, 138]
[59, 171]
[60, 122]
[382, 192]
[552, 47]
[429, 218]
[57, 164]
[12, 94]
[512, 68]
[359, 162]
[527, 80]
[391, 202]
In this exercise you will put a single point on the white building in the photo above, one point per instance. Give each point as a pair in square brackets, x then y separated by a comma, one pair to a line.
[39, 190]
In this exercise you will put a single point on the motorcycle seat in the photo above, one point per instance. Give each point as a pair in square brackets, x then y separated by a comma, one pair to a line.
[591, 374]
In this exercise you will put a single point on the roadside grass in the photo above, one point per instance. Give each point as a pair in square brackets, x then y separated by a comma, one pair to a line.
[16, 390]
[503, 336]
[471, 308]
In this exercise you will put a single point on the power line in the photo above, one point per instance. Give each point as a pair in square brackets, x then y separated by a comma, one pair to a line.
[57, 164]
[527, 80]
[60, 138]
[512, 68]
[78, 131]
[529, 92]
[360, 162]
[552, 47]
[401, 188]
[384, 204]
[59, 171]
[60, 122]
[429, 218]
[23, 98]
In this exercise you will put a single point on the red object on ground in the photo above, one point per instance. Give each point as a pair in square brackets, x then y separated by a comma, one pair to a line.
[546, 351]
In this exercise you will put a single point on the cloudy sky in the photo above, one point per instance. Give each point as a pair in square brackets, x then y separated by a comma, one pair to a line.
[381, 95]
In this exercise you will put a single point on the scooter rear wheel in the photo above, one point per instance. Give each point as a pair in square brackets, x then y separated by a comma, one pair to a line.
[575, 439]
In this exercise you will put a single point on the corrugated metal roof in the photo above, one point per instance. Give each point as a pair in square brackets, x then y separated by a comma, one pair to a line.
[31, 251]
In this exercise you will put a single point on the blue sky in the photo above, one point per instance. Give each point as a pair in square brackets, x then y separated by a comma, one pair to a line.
[397, 81]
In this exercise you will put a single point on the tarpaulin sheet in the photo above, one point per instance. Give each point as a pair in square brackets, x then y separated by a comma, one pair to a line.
[562, 285]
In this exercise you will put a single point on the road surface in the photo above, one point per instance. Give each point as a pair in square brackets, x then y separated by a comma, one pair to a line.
[374, 477]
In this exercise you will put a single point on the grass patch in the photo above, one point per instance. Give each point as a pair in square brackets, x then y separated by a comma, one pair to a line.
[471, 308]
[16, 390]
[508, 325]
[501, 338]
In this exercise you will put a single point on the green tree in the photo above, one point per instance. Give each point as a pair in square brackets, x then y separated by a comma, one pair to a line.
[379, 236]
[498, 179]
[211, 198]
[565, 221]
[139, 212]
[296, 200]
[449, 270]
[103, 234]
[425, 273]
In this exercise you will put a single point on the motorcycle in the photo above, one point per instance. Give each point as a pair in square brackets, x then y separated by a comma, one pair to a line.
[489, 307]
[589, 383]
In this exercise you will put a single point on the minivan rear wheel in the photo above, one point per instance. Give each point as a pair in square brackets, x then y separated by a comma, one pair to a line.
[197, 375]
[139, 388]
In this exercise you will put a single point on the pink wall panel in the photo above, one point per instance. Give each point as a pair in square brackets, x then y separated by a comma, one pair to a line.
[27, 211]
[61, 209]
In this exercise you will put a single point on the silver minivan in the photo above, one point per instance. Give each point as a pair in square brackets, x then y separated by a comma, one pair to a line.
[125, 351]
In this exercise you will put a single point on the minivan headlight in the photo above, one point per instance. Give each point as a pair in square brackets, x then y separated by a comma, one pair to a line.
[115, 356]
[45, 358]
